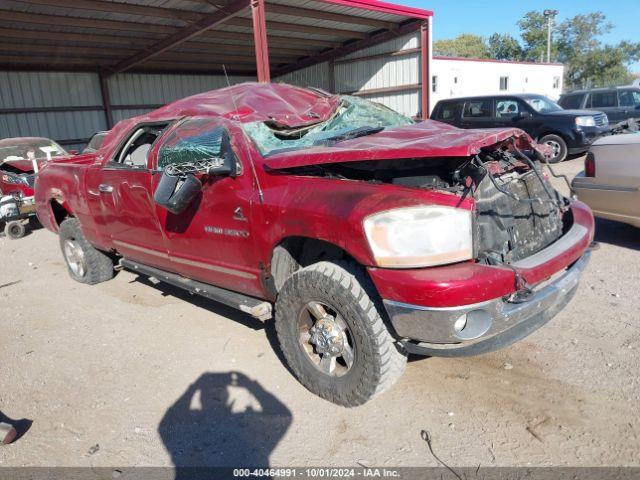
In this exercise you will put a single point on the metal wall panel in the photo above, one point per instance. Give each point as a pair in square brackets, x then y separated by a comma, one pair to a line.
[45, 90]
[405, 42]
[48, 89]
[313, 76]
[155, 89]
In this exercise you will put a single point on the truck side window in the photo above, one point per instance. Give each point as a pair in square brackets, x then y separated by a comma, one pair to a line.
[603, 99]
[135, 150]
[572, 101]
[478, 109]
[629, 98]
[447, 111]
[507, 109]
[197, 139]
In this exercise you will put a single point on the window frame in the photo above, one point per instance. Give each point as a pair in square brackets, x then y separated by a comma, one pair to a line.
[506, 83]
[113, 164]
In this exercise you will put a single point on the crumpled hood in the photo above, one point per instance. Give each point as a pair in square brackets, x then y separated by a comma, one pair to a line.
[426, 139]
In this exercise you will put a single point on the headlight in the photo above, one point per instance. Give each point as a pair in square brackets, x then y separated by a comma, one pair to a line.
[420, 236]
[586, 121]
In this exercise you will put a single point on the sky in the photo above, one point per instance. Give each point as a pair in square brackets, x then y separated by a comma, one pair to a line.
[453, 17]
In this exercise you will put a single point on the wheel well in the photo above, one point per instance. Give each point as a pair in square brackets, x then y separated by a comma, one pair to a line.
[59, 212]
[294, 253]
[558, 134]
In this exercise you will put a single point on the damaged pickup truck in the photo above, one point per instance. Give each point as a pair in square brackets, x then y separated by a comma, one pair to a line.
[373, 236]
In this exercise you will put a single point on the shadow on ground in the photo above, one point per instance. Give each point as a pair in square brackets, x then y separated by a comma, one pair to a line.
[223, 420]
[21, 426]
[222, 310]
[617, 233]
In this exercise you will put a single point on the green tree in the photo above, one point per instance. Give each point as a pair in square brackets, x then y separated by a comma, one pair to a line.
[466, 45]
[504, 47]
[533, 30]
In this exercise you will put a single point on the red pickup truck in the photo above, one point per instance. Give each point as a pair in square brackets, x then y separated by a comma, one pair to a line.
[372, 236]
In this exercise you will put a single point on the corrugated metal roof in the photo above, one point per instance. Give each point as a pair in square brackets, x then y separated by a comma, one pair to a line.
[325, 27]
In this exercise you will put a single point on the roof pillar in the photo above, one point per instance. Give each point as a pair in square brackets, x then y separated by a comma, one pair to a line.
[425, 57]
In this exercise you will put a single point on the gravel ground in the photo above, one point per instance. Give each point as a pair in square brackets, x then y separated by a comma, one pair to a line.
[129, 373]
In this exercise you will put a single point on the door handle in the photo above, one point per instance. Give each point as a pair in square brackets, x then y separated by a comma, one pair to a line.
[104, 188]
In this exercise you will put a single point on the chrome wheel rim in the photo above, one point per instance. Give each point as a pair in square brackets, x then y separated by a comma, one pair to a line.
[74, 256]
[325, 339]
[555, 147]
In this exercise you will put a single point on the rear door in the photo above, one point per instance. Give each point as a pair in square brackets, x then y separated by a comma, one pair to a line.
[120, 197]
[478, 113]
[212, 240]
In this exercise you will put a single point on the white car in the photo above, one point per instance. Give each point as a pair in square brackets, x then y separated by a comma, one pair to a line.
[610, 182]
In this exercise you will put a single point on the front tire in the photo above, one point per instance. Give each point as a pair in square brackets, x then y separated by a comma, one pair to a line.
[84, 263]
[333, 337]
[558, 145]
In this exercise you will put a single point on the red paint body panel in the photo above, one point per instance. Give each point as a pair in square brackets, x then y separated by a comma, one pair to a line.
[274, 206]
[425, 139]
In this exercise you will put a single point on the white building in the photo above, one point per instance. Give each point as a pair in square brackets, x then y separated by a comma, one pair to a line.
[462, 77]
[389, 73]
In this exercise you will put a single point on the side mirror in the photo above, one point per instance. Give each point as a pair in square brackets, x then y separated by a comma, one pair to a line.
[175, 193]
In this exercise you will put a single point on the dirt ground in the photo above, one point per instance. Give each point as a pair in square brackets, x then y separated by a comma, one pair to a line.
[130, 373]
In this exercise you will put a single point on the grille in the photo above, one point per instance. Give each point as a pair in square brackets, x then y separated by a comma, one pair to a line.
[601, 120]
[508, 230]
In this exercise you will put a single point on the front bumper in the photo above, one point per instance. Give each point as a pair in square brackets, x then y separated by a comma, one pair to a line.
[583, 137]
[490, 325]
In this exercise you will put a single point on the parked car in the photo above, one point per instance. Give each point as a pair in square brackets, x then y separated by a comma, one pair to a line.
[564, 131]
[95, 142]
[19, 161]
[619, 103]
[610, 182]
[373, 235]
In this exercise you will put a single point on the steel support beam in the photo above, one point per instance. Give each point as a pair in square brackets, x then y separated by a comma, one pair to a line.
[259, 17]
[425, 57]
[375, 39]
[106, 100]
[207, 22]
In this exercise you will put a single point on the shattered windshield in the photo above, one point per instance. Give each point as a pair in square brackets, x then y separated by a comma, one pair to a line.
[354, 117]
[39, 149]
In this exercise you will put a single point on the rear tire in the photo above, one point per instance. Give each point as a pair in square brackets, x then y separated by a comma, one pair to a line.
[558, 145]
[14, 230]
[84, 263]
[367, 361]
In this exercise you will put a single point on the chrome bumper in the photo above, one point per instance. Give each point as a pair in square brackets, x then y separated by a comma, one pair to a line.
[487, 326]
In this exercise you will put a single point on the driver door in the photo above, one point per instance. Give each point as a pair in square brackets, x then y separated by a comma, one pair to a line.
[211, 240]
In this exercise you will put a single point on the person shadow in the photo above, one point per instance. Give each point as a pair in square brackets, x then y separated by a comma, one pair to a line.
[223, 420]
[21, 427]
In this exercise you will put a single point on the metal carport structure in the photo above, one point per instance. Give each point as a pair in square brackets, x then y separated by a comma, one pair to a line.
[260, 38]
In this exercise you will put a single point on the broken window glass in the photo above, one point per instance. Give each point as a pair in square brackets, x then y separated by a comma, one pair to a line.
[194, 140]
[352, 115]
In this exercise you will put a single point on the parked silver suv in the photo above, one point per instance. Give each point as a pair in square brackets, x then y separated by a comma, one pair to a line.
[619, 103]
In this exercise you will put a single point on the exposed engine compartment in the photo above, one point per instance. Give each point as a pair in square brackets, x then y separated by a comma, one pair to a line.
[518, 212]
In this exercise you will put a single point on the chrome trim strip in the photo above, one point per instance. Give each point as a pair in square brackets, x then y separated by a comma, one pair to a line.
[148, 251]
[576, 233]
[185, 261]
[215, 268]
